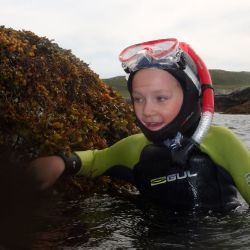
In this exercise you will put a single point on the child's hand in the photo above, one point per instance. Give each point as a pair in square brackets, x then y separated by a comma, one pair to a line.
[46, 171]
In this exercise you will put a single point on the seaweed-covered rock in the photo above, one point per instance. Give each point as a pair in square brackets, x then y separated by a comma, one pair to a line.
[52, 101]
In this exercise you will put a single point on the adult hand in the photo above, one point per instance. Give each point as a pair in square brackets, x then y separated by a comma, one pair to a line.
[46, 171]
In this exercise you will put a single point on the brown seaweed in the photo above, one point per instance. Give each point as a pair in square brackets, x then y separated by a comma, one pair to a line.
[52, 101]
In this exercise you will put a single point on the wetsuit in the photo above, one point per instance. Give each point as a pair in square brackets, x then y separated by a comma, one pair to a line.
[214, 173]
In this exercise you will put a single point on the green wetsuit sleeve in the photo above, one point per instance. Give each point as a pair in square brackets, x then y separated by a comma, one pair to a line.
[226, 150]
[125, 152]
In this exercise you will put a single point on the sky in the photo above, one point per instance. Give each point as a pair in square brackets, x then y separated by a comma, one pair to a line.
[96, 31]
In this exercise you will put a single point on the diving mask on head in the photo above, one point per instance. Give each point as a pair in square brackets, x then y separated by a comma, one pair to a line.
[171, 55]
[163, 52]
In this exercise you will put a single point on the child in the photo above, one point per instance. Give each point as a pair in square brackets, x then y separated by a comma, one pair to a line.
[179, 161]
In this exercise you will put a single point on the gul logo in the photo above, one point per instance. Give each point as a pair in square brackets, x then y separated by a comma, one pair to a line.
[158, 181]
[174, 177]
[247, 176]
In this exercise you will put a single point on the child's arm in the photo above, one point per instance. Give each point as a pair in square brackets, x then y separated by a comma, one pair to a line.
[91, 163]
[226, 150]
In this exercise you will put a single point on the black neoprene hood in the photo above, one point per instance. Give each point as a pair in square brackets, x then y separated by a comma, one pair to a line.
[187, 119]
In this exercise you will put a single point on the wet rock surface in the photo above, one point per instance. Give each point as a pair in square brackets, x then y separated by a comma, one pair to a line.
[237, 102]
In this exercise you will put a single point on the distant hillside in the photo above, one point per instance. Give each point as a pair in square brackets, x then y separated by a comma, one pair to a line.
[224, 78]
[223, 81]
[119, 83]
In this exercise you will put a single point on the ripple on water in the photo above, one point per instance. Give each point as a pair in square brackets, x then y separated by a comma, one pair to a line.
[239, 124]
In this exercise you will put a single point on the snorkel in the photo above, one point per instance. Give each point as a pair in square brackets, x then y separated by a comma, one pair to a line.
[169, 54]
[207, 95]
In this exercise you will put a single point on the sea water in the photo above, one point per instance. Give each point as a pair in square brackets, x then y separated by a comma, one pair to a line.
[239, 124]
[106, 221]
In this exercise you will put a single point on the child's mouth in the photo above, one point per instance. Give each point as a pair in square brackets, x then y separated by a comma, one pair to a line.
[153, 125]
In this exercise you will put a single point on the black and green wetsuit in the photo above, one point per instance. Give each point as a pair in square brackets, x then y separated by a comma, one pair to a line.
[220, 150]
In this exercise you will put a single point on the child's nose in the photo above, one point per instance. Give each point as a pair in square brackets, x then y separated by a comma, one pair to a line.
[148, 108]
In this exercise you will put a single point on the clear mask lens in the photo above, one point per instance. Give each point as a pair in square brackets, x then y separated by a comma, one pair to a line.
[165, 52]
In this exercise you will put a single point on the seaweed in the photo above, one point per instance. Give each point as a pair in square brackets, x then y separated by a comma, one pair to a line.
[51, 101]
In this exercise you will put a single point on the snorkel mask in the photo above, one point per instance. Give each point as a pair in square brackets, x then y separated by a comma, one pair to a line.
[168, 54]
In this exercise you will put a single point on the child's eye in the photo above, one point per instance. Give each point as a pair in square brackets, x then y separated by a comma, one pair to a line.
[137, 99]
[162, 98]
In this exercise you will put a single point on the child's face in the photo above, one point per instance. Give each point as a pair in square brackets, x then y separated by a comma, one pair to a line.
[157, 97]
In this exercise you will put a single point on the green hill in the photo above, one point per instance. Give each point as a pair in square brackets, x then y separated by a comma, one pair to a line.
[119, 83]
[230, 78]
[223, 81]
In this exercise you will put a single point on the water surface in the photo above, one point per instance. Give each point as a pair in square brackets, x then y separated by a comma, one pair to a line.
[239, 124]
[113, 221]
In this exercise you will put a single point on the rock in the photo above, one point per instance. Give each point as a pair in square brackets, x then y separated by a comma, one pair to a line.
[237, 102]
[51, 101]
[239, 109]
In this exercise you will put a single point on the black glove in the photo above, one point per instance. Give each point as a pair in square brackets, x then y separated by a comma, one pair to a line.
[72, 163]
